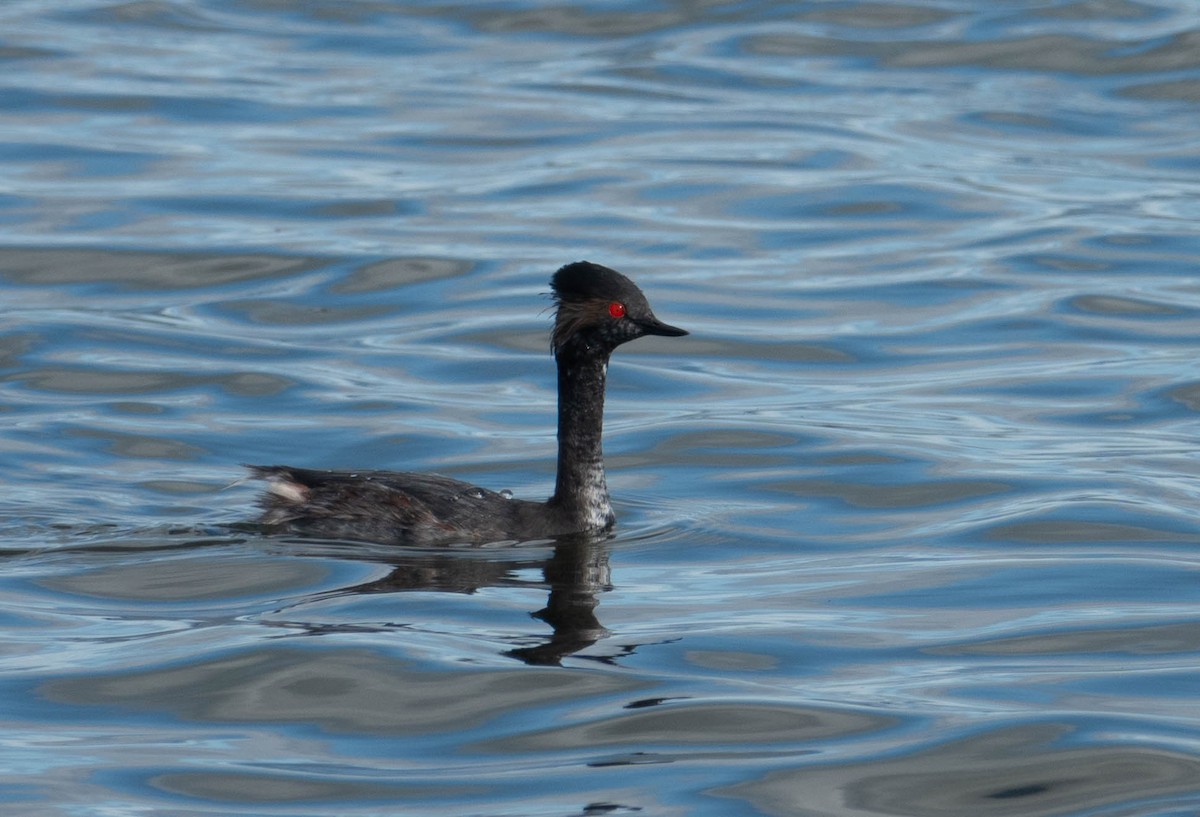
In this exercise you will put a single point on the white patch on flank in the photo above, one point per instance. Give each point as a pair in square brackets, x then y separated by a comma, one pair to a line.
[291, 491]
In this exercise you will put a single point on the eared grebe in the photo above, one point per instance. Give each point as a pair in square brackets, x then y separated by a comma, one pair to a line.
[598, 309]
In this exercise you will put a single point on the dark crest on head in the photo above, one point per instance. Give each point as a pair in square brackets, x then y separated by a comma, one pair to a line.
[599, 309]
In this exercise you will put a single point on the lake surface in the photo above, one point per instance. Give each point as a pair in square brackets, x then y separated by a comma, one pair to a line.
[908, 525]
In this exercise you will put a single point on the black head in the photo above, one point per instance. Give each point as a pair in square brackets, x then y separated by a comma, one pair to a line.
[599, 309]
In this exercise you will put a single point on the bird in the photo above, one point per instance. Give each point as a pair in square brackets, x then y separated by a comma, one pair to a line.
[596, 310]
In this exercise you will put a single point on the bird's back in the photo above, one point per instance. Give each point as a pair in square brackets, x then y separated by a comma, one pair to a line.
[394, 506]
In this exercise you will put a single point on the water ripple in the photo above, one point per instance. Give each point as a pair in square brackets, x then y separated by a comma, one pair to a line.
[906, 525]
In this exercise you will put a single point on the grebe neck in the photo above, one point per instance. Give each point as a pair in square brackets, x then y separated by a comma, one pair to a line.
[580, 489]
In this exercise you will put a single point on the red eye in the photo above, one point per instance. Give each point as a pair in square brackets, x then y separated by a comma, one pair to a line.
[616, 309]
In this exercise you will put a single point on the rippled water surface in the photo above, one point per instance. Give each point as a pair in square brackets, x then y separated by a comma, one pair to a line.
[907, 525]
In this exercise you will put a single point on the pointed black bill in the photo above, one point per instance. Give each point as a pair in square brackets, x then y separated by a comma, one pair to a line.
[653, 326]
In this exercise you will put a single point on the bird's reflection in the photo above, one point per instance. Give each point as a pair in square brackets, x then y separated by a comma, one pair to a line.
[575, 574]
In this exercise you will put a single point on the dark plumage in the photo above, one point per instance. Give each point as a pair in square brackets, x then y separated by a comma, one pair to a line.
[598, 309]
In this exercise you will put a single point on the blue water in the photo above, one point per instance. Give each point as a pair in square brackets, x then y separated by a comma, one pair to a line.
[908, 525]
